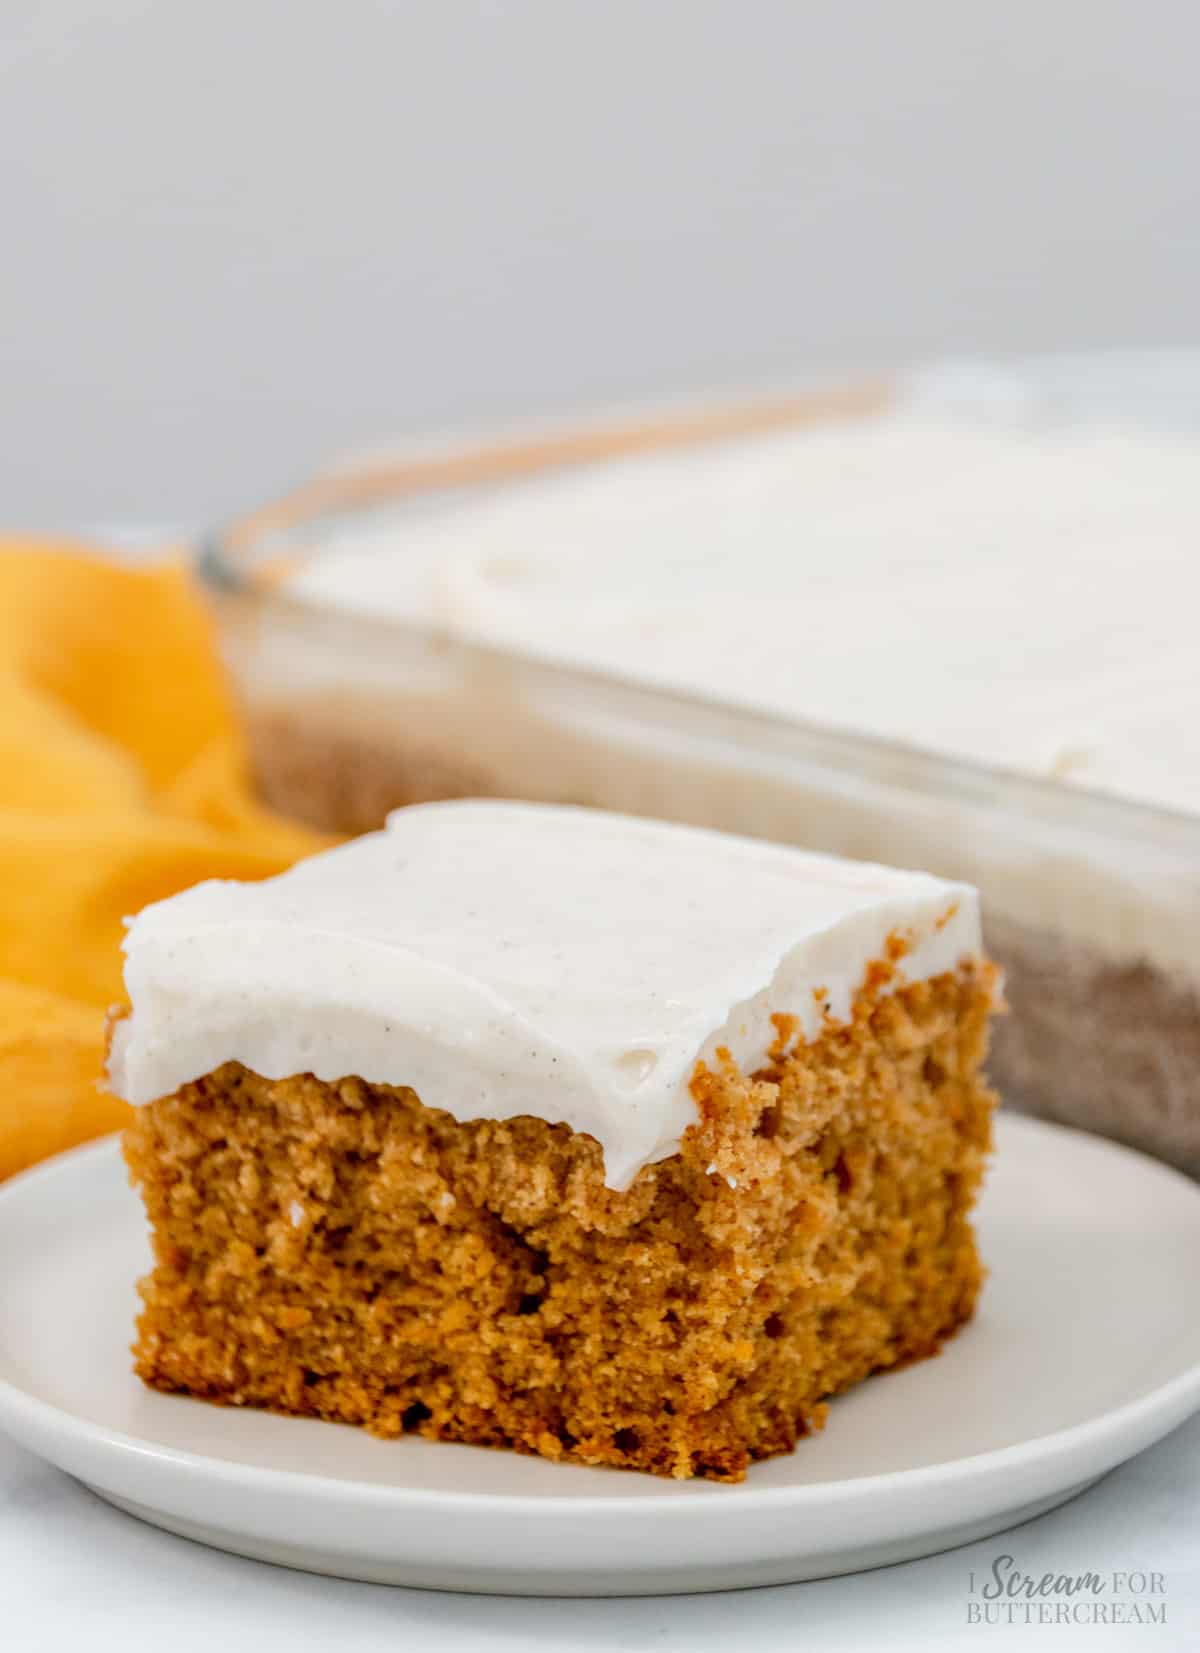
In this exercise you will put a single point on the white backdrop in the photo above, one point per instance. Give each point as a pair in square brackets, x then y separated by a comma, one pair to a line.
[237, 234]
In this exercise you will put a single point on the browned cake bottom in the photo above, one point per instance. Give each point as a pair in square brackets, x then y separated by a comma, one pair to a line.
[342, 1251]
[1113, 1047]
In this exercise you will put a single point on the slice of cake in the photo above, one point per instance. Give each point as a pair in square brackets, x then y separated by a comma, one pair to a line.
[536, 1127]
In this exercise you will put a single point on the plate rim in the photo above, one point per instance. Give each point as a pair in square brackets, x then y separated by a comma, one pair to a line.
[1114, 1423]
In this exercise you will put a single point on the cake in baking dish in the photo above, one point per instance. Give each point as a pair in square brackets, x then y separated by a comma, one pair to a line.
[537, 1127]
[995, 570]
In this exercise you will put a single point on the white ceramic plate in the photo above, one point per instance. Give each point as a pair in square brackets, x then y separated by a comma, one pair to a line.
[1085, 1350]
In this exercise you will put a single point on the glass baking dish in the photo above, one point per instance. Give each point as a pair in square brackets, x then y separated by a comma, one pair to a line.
[1092, 904]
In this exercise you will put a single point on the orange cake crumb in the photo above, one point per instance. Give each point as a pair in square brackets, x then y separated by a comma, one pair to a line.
[343, 1251]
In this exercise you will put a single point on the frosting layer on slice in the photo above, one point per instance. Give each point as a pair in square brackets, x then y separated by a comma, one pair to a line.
[505, 959]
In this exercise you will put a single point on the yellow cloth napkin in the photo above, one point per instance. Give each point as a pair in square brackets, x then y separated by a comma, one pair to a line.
[122, 780]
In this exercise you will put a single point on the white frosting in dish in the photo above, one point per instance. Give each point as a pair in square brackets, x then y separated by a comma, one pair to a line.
[505, 959]
[986, 573]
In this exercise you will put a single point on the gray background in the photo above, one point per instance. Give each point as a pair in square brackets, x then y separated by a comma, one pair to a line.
[239, 234]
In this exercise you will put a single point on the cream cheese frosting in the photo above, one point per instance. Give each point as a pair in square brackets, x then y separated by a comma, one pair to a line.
[505, 959]
[1002, 569]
